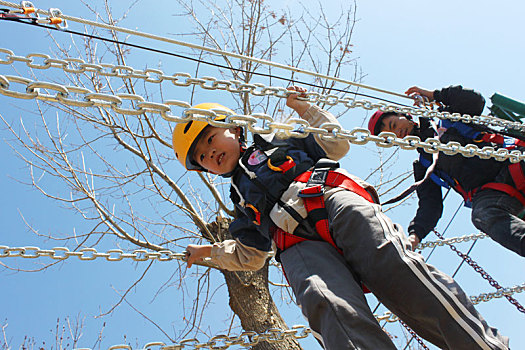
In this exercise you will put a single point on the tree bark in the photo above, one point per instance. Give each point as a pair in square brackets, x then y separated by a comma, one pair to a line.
[251, 301]
[250, 298]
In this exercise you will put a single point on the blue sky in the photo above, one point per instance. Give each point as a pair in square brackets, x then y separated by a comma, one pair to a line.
[477, 44]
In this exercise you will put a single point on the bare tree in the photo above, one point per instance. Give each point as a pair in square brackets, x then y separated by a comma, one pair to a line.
[113, 168]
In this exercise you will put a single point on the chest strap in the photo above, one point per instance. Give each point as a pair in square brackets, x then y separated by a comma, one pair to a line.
[505, 141]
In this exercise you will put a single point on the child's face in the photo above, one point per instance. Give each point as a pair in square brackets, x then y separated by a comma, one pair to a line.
[218, 149]
[398, 124]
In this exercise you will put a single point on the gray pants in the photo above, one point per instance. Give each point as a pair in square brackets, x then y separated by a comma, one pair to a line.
[375, 251]
[494, 212]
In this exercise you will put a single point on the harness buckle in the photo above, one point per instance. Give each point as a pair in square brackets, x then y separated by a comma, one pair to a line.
[317, 180]
[320, 172]
[311, 192]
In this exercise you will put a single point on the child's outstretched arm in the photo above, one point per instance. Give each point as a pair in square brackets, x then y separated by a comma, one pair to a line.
[229, 255]
[333, 148]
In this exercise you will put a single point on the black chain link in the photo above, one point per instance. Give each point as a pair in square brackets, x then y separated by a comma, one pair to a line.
[413, 334]
[483, 274]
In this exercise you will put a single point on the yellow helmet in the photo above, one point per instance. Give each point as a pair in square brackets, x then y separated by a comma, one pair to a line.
[186, 135]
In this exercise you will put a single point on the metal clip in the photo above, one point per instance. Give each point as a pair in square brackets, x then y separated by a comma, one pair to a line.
[55, 19]
[26, 8]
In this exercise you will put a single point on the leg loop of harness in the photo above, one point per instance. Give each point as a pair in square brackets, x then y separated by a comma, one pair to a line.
[516, 172]
[313, 197]
[284, 240]
[516, 191]
[508, 189]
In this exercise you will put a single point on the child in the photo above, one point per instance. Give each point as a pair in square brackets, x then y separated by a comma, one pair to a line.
[489, 186]
[331, 235]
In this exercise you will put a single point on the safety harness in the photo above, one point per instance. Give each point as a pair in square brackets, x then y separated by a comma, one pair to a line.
[321, 175]
[316, 178]
[443, 179]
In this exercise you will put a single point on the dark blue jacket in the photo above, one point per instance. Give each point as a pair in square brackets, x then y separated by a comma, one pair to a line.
[470, 173]
[255, 185]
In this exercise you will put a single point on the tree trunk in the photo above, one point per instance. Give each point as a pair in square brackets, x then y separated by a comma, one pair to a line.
[250, 298]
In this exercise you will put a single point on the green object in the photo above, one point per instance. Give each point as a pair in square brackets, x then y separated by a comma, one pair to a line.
[507, 108]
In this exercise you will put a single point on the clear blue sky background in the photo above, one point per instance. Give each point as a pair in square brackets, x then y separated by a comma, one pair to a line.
[478, 44]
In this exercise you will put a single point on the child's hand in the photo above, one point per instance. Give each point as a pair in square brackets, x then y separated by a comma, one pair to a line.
[297, 105]
[415, 91]
[414, 241]
[196, 253]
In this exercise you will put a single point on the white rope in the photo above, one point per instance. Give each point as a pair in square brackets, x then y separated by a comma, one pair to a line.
[207, 49]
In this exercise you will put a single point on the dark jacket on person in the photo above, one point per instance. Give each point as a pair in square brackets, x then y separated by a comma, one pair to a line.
[266, 195]
[470, 173]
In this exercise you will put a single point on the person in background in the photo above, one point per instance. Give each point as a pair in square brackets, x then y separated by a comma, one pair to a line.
[492, 188]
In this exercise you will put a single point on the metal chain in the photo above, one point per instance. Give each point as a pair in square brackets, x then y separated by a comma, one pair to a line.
[77, 66]
[87, 254]
[294, 127]
[387, 317]
[63, 253]
[57, 14]
[103, 100]
[246, 339]
[484, 297]
[449, 241]
[414, 335]
[484, 274]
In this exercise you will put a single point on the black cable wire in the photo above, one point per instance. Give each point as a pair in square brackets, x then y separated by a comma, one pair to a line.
[32, 21]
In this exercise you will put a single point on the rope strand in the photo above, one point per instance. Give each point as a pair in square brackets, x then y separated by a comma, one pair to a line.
[207, 49]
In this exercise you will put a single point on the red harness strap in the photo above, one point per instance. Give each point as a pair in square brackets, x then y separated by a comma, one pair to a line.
[314, 203]
[284, 240]
[517, 176]
[500, 140]
[314, 200]
[467, 196]
[315, 207]
[508, 189]
[335, 179]
[515, 191]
